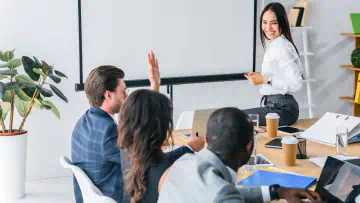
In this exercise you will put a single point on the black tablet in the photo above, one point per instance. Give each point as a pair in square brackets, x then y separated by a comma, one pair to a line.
[290, 130]
[275, 143]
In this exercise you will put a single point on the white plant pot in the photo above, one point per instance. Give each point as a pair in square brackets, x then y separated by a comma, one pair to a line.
[12, 167]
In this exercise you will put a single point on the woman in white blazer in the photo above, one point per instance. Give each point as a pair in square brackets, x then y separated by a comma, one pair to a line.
[282, 72]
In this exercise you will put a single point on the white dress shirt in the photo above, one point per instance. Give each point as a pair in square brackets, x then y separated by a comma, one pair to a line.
[283, 67]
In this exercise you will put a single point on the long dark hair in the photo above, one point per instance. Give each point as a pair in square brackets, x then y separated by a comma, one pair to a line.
[145, 123]
[283, 22]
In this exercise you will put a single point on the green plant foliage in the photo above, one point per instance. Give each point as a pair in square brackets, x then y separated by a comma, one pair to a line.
[14, 63]
[45, 92]
[24, 79]
[2, 56]
[58, 93]
[355, 58]
[2, 89]
[38, 71]
[55, 78]
[9, 55]
[21, 105]
[27, 91]
[52, 108]
[8, 72]
[22, 95]
[5, 106]
[58, 73]
[14, 85]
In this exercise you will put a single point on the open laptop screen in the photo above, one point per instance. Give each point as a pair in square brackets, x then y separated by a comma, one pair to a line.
[337, 180]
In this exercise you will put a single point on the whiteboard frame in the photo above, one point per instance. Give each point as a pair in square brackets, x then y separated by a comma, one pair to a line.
[170, 81]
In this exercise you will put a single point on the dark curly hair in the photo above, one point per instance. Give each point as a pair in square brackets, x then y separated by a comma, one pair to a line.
[145, 123]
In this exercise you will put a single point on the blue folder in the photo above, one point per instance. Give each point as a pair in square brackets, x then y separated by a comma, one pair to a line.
[266, 178]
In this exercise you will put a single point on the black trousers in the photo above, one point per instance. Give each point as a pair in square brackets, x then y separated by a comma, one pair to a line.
[284, 105]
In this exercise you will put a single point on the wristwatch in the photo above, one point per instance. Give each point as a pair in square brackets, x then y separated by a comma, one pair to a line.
[273, 192]
[269, 82]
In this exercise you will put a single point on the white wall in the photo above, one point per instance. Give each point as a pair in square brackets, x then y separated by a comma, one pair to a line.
[331, 49]
[47, 30]
[57, 42]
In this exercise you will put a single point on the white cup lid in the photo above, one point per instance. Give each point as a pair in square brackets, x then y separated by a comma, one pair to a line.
[272, 116]
[289, 140]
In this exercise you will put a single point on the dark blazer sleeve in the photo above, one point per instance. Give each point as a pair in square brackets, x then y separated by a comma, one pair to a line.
[111, 150]
[177, 153]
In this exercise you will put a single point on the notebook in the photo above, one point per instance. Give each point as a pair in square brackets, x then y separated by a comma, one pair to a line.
[355, 21]
[324, 130]
[300, 17]
[267, 178]
[306, 6]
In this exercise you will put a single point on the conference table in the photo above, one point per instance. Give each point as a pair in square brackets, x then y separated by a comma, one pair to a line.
[303, 166]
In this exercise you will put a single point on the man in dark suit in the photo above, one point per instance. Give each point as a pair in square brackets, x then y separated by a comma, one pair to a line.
[94, 148]
[210, 175]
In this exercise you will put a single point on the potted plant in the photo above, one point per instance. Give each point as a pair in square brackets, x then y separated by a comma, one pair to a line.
[21, 92]
[355, 58]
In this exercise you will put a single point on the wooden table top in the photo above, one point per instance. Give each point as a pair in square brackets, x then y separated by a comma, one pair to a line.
[303, 166]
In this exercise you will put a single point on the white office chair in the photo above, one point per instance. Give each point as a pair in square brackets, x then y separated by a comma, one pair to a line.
[185, 120]
[90, 193]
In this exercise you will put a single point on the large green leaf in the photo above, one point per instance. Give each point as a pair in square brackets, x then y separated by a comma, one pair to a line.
[9, 55]
[14, 63]
[54, 78]
[6, 97]
[29, 64]
[2, 90]
[21, 105]
[38, 104]
[29, 91]
[5, 106]
[37, 62]
[45, 92]
[2, 56]
[24, 79]
[15, 85]
[3, 77]
[4, 65]
[58, 93]
[58, 73]
[53, 108]
[22, 95]
[8, 72]
[38, 71]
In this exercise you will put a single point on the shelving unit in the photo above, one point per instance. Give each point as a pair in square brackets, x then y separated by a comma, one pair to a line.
[308, 78]
[356, 106]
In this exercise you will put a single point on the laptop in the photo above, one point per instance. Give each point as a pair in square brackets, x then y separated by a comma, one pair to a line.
[355, 20]
[201, 118]
[337, 180]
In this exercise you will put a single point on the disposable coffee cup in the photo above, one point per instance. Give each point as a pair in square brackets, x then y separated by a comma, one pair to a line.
[272, 124]
[289, 147]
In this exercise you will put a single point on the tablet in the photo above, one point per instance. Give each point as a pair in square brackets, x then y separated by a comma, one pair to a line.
[290, 130]
[261, 161]
[275, 143]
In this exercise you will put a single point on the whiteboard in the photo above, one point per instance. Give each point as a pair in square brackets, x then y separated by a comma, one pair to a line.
[189, 37]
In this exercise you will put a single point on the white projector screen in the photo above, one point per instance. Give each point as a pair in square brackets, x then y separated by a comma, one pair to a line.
[189, 37]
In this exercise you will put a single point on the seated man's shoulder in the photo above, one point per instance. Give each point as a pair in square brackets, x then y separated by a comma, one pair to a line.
[94, 123]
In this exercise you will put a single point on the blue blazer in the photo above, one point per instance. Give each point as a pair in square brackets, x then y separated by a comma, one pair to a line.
[94, 150]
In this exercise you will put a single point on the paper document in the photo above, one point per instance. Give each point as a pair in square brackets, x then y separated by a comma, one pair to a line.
[320, 161]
